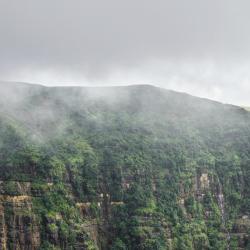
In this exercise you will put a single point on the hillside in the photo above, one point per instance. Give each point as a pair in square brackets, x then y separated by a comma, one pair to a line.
[134, 167]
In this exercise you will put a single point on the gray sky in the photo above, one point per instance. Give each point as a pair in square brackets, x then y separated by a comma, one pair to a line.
[197, 46]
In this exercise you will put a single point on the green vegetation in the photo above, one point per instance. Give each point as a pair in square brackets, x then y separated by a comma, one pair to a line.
[151, 169]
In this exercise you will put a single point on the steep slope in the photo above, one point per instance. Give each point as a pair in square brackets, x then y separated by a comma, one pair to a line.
[134, 167]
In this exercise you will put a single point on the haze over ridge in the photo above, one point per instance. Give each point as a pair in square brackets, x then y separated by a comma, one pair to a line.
[197, 47]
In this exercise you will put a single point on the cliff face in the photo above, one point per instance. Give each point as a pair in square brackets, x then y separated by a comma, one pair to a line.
[22, 228]
[19, 227]
[122, 168]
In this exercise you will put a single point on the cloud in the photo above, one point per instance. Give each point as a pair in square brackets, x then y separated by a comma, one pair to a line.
[201, 47]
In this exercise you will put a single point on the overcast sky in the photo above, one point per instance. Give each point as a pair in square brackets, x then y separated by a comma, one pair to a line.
[197, 46]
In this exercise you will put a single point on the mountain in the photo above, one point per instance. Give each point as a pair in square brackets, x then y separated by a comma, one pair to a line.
[133, 167]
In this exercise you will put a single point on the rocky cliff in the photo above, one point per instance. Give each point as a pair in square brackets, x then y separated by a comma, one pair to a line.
[122, 168]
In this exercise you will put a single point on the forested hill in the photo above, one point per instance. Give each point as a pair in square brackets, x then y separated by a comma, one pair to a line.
[134, 167]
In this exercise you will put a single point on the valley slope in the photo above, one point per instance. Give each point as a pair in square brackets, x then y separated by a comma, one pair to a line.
[134, 167]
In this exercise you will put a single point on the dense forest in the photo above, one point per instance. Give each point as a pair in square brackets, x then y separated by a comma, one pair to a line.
[122, 168]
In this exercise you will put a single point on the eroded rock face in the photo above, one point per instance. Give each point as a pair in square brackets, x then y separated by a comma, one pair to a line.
[21, 227]
[204, 188]
[204, 181]
[18, 225]
[3, 237]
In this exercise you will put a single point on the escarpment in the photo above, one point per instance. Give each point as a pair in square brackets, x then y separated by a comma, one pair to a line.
[122, 168]
[24, 226]
[19, 226]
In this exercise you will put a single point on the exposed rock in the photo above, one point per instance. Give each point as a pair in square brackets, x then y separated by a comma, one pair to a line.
[204, 181]
[19, 227]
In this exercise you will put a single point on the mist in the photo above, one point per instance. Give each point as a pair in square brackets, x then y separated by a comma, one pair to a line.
[124, 124]
[201, 48]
